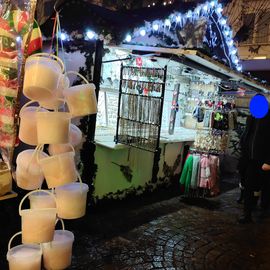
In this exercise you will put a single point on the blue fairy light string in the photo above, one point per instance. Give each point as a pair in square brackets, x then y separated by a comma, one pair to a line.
[209, 10]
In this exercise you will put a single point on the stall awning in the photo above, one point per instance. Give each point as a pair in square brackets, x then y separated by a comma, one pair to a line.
[204, 63]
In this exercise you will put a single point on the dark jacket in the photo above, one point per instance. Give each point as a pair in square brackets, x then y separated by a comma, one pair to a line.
[255, 141]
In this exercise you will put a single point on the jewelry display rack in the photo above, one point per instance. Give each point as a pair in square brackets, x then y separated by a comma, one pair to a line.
[140, 104]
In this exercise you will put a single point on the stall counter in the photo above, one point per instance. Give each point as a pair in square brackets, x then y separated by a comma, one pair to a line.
[109, 157]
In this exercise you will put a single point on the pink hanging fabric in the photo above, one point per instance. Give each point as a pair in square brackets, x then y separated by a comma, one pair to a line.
[205, 175]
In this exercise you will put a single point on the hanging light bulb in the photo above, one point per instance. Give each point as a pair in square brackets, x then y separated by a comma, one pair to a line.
[239, 68]
[236, 61]
[219, 10]
[230, 43]
[213, 3]
[155, 26]
[189, 14]
[142, 32]
[128, 38]
[234, 51]
[153, 4]
[198, 10]
[223, 21]
[167, 23]
[63, 36]
[90, 34]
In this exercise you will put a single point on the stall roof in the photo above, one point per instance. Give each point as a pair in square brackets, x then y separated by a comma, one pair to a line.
[204, 63]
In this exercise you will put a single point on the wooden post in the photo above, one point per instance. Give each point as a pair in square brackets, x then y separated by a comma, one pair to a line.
[89, 147]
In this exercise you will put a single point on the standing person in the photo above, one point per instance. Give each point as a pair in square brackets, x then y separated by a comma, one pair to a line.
[255, 147]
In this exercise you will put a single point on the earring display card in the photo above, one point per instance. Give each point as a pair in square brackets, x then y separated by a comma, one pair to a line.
[141, 98]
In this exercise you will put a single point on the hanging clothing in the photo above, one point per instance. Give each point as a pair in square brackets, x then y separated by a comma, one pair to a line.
[198, 113]
[214, 170]
[232, 120]
[207, 118]
[201, 171]
[195, 171]
[220, 121]
[205, 175]
[186, 173]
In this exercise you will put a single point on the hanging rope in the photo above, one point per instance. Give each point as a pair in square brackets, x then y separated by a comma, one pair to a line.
[61, 41]
[53, 34]
[57, 34]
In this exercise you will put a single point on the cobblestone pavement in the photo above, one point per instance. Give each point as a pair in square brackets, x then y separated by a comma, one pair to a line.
[192, 237]
[177, 233]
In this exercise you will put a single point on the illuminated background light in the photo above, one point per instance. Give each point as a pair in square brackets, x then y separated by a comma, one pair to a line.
[142, 32]
[198, 10]
[155, 27]
[239, 68]
[230, 43]
[213, 3]
[234, 51]
[90, 34]
[167, 23]
[219, 9]
[205, 7]
[178, 18]
[128, 38]
[189, 14]
[63, 36]
[223, 21]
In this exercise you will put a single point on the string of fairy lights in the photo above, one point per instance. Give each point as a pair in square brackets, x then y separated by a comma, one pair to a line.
[209, 10]
[178, 20]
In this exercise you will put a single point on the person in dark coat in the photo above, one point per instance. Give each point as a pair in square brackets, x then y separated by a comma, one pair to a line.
[255, 164]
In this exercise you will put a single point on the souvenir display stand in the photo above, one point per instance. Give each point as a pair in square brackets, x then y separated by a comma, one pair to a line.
[198, 81]
[139, 111]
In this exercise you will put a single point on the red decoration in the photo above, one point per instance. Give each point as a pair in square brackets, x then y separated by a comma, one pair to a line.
[139, 62]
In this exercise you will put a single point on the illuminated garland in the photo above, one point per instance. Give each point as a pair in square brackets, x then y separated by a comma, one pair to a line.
[152, 32]
[215, 35]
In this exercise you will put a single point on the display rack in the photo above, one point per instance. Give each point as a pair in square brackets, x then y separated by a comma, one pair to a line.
[140, 104]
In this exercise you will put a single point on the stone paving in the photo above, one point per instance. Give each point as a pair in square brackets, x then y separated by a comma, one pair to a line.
[190, 238]
[179, 233]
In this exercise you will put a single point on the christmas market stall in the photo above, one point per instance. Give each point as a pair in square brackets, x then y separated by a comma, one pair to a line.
[174, 84]
[105, 116]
